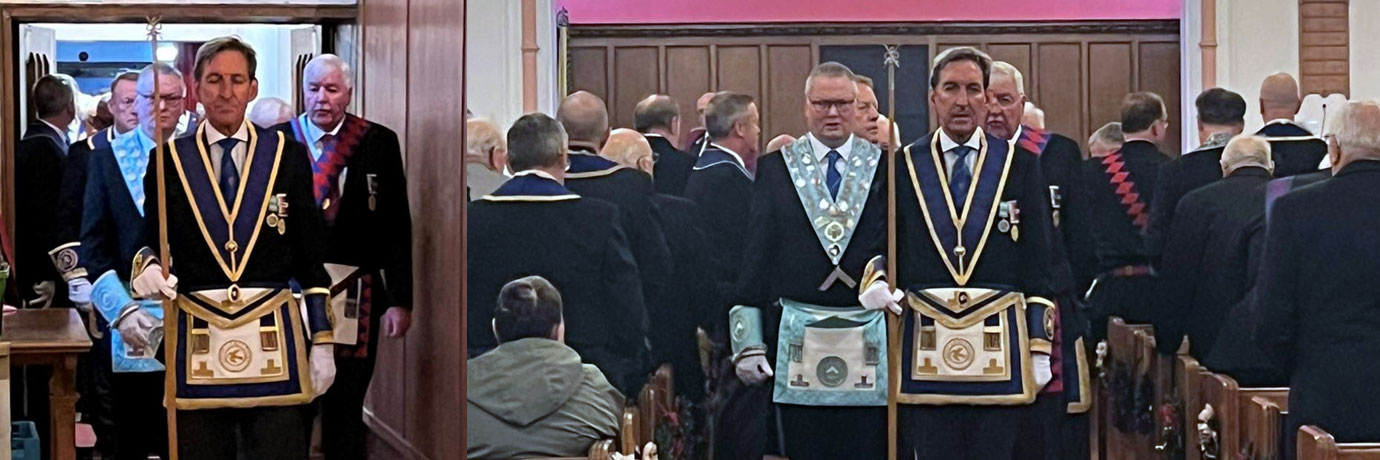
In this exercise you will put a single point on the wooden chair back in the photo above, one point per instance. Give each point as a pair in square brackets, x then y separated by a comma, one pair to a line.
[1121, 375]
[628, 432]
[1187, 377]
[1263, 416]
[656, 400]
[1317, 444]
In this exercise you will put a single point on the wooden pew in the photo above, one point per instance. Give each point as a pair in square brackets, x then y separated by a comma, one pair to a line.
[1230, 404]
[1158, 372]
[602, 450]
[1264, 419]
[656, 400]
[628, 432]
[1119, 379]
[1187, 377]
[1317, 444]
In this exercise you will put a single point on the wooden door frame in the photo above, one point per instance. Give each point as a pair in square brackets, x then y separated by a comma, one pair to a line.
[12, 15]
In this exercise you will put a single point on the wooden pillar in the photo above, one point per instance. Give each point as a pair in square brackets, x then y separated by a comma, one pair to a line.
[1208, 44]
[529, 55]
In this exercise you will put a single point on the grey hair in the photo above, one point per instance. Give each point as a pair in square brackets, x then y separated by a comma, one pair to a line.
[1109, 134]
[270, 111]
[1004, 68]
[1245, 151]
[536, 141]
[144, 84]
[1357, 132]
[327, 62]
[725, 110]
[830, 69]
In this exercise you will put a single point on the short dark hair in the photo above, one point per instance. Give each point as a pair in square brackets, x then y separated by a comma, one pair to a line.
[1218, 106]
[724, 110]
[209, 50]
[52, 95]
[132, 77]
[655, 112]
[1140, 110]
[962, 53]
[535, 140]
[527, 308]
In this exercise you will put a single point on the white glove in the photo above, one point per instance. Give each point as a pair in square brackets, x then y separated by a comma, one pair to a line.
[1043, 374]
[879, 296]
[322, 368]
[79, 291]
[753, 370]
[135, 328]
[150, 283]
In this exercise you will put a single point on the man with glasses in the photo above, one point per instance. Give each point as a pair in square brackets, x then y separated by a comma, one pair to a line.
[1057, 428]
[241, 223]
[1121, 188]
[818, 215]
[111, 233]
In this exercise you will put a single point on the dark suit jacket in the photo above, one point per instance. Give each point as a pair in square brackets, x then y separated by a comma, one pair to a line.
[112, 226]
[672, 167]
[73, 188]
[1295, 149]
[1321, 305]
[38, 167]
[1178, 177]
[1061, 162]
[690, 304]
[722, 188]
[1119, 241]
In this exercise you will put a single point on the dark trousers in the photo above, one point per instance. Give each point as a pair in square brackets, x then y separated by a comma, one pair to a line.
[829, 433]
[1132, 298]
[342, 410]
[141, 422]
[259, 433]
[742, 419]
[96, 404]
[960, 432]
[1049, 432]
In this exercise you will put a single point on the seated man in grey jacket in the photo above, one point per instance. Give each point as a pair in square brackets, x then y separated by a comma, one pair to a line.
[531, 396]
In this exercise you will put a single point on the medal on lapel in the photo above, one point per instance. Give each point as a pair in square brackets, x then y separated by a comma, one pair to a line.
[278, 213]
[372, 180]
[1010, 216]
[1055, 202]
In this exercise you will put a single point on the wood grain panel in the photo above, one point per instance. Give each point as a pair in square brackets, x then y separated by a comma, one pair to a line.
[1158, 75]
[1324, 43]
[636, 76]
[1061, 87]
[589, 70]
[687, 78]
[740, 70]
[1109, 79]
[788, 67]
[1016, 54]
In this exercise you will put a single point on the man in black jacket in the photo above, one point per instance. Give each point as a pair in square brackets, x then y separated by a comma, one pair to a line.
[1319, 310]
[39, 160]
[658, 118]
[721, 184]
[1295, 149]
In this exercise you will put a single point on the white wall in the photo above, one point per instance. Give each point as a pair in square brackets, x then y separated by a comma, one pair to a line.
[1255, 38]
[1365, 49]
[1191, 67]
[493, 59]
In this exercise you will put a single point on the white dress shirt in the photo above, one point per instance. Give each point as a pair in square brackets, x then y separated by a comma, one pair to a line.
[822, 151]
[61, 132]
[237, 155]
[947, 144]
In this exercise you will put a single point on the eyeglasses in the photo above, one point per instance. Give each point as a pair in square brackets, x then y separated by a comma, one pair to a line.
[166, 98]
[842, 106]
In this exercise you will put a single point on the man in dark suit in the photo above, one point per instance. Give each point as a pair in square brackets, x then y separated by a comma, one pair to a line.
[532, 225]
[697, 138]
[1058, 425]
[1295, 149]
[1202, 281]
[39, 160]
[362, 192]
[1120, 188]
[1319, 304]
[658, 118]
[586, 121]
[867, 126]
[1221, 115]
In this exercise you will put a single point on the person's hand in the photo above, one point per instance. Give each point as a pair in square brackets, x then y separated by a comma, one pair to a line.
[322, 361]
[150, 283]
[135, 328]
[1043, 374]
[396, 321]
[79, 292]
[753, 370]
[879, 296]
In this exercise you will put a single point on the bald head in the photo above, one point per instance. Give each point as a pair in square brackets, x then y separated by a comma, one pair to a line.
[657, 114]
[1279, 97]
[485, 145]
[585, 118]
[629, 148]
[702, 103]
[778, 142]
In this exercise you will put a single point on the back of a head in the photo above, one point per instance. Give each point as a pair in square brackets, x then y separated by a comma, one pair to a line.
[626, 147]
[527, 308]
[724, 110]
[779, 142]
[536, 141]
[1279, 92]
[1247, 151]
[655, 112]
[1109, 135]
[1357, 131]
[1141, 110]
[584, 117]
[270, 111]
[52, 95]
[1218, 106]
[481, 137]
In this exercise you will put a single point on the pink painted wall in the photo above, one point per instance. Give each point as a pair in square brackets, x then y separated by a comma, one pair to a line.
[765, 11]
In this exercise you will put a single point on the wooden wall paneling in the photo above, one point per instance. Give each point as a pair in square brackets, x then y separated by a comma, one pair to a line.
[789, 65]
[740, 70]
[687, 77]
[589, 70]
[1158, 75]
[1324, 44]
[636, 71]
[1061, 87]
[1109, 80]
[764, 105]
[1016, 54]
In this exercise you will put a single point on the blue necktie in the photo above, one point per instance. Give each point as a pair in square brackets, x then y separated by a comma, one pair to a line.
[960, 177]
[229, 175]
[832, 177]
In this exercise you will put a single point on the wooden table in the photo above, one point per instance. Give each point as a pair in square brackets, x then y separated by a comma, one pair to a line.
[54, 338]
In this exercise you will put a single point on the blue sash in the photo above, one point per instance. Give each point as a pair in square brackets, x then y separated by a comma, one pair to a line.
[830, 356]
[959, 237]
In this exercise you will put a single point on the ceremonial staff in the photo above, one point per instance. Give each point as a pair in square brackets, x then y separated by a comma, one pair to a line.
[169, 310]
[893, 334]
